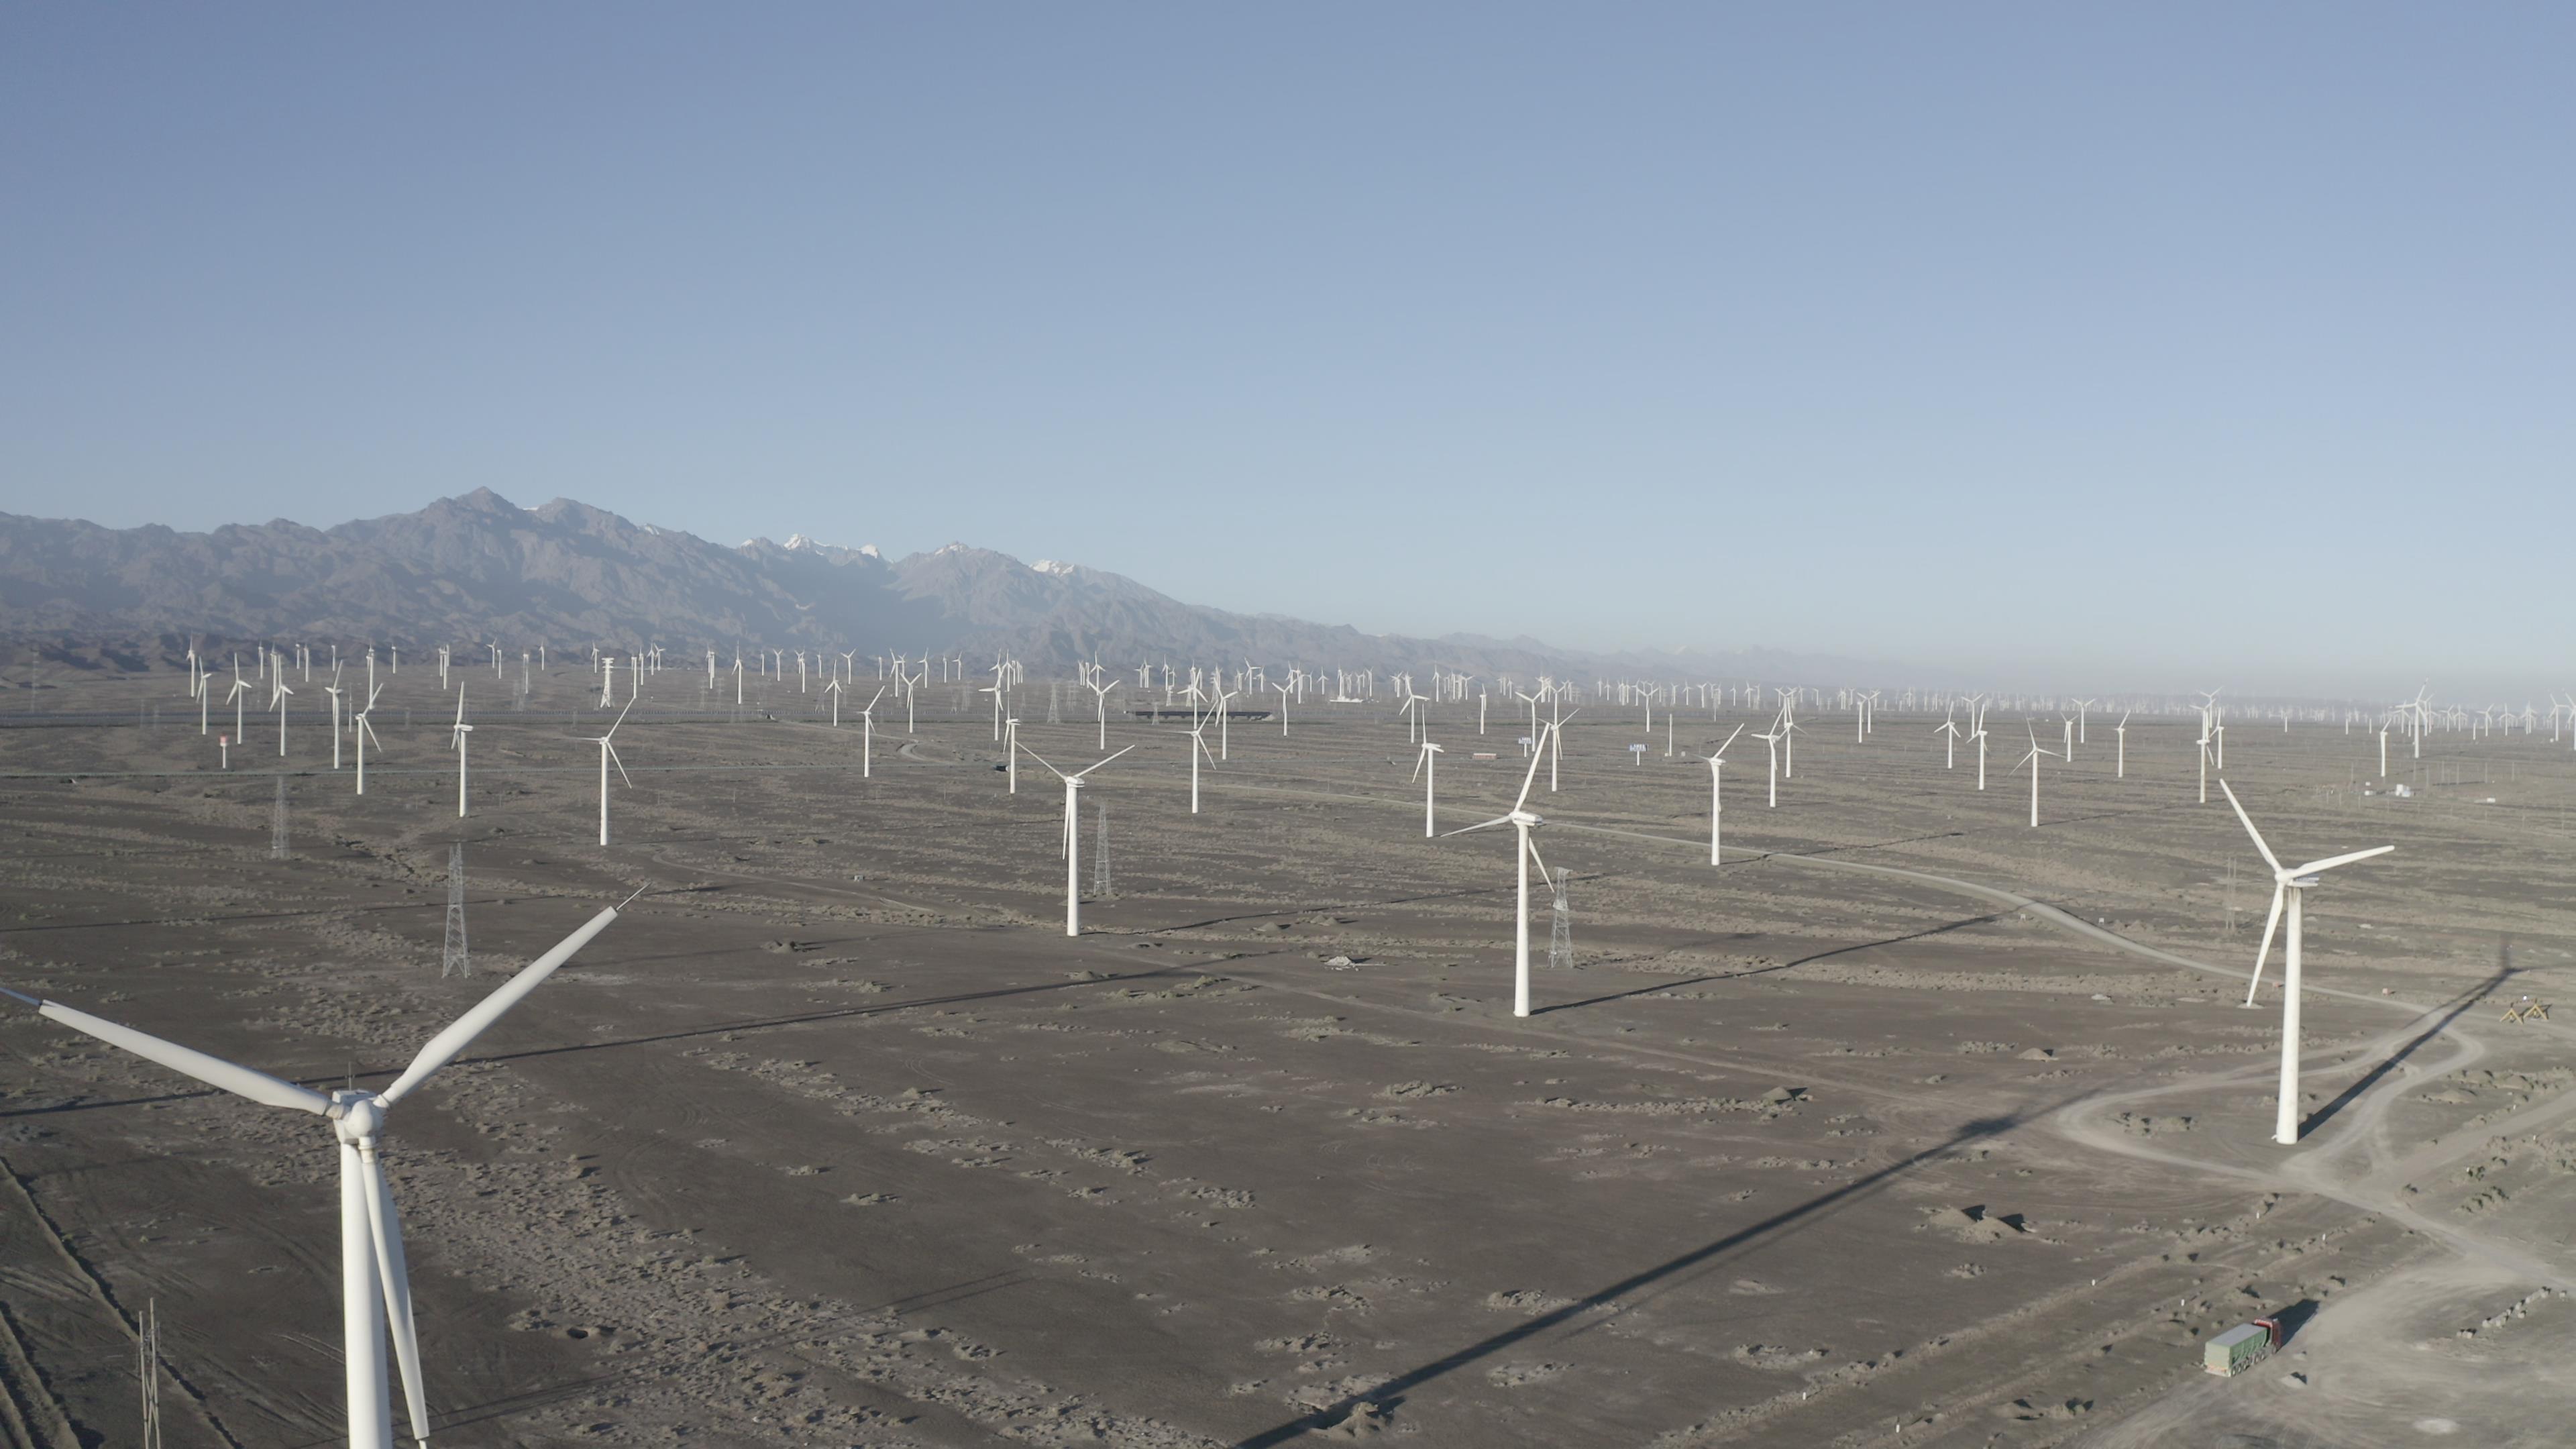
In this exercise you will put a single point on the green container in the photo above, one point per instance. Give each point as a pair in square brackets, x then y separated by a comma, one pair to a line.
[2238, 1349]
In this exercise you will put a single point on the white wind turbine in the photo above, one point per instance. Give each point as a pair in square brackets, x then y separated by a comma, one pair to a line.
[1772, 738]
[1225, 719]
[1100, 703]
[834, 689]
[333, 690]
[868, 734]
[240, 687]
[2290, 885]
[607, 754]
[1949, 730]
[2204, 755]
[1716, 803]
[375, 1284]
[2032, 760]
[2121, 731]
[1073, 835]
[1198, 747]
[282, 695]
[1426, 768]
[1522, 822]
[361, 732]
[459, 734]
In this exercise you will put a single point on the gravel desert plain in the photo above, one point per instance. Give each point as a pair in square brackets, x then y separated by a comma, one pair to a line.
[1908, 1124]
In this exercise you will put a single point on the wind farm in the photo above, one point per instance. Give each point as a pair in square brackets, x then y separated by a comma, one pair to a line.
[882, 1122]
[620, 641]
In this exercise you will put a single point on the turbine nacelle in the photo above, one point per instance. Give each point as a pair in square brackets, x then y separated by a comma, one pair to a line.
[358, 1117]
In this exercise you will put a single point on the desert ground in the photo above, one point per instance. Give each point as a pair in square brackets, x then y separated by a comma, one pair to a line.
[1908, 1124]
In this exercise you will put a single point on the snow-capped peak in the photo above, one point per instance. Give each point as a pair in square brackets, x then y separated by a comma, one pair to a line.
[948, 548]
[798, 540]
[870, 550]
[1057, 567]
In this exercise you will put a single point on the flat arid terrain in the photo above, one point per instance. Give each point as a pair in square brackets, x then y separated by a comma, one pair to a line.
[1908, 1124]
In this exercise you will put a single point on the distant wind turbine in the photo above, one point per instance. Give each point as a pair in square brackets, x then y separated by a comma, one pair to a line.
[1522, 821]
[459, 734]
[1716, 802]
[1073, 835]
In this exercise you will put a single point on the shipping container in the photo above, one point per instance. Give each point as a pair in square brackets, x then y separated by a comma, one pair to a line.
[2240, 1348]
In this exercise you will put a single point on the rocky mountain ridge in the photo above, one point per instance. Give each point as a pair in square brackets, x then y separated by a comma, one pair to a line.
[478, 567]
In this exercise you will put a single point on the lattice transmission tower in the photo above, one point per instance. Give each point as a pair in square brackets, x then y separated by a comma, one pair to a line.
[452, 957]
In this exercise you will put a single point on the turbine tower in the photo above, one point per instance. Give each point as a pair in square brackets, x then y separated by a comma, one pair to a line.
[375, 1286]
[2289, 885]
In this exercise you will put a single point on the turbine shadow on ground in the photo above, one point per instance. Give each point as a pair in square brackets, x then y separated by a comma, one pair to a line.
[1390, 1391]
[2457, 1005]
[1767, 970]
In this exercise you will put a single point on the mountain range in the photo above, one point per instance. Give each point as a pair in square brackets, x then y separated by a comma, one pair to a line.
[480, 568]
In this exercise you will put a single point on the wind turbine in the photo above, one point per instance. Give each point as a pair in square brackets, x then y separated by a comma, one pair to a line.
[333, 690]
[2032, 759]
[1426, 768]
[2121, 730]
[364, 732]
[459, 734]
[1950, 744]
[1522, 822]
[2204, 755]
[1772, 738]
[283, 694]
[375, 1284]
[240, 687]
[608, 753]
[868, 734]
[834, 689]
[2292, 886]
[1198, 747]
[1716, 804]
[1073, 834]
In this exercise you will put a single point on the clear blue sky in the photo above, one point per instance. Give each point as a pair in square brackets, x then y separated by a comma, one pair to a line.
[2089, 345]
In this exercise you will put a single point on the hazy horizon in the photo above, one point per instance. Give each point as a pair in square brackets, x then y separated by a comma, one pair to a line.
[2157, 349]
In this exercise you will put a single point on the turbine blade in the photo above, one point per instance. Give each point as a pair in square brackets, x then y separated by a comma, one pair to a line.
[2330, 862]
[619, 761]
[1468, 829]
[1538, 752]
[2268, 857]
[460, 1034]
[1041, 759]
[1730, 739]
[393, 1276]
[2270, 924]
[621, 718]
[213, 1071]
[1098, 763]
[1537, 859]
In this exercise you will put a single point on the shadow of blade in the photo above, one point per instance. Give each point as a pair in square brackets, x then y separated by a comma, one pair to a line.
[1661, 1273]
[1783, 966]
[2458, 1004]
